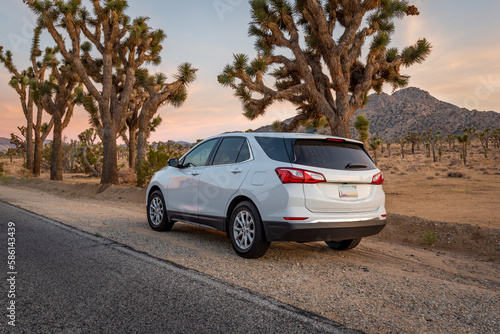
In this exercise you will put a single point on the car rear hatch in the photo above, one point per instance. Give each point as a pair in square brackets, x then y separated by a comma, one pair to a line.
[348, 186]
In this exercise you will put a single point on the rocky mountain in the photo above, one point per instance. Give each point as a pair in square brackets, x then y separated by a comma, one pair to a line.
[415, 110]
[5, 144]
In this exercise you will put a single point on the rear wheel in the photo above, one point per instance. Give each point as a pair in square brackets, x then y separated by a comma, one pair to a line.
[246, 231]
[344, 244]
[157, 212]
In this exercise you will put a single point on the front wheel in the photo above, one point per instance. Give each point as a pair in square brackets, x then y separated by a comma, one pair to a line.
[246, 231]
[344, 244]
[157, 212]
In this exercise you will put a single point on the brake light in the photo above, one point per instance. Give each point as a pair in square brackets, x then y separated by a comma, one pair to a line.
[378, 178]
[295, 175]
[335, 140]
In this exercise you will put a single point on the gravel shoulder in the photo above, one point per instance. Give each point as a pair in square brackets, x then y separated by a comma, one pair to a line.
[388, 284]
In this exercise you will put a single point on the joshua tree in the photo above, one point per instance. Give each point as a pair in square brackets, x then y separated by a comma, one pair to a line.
[375, 142]
[414, 139]
[464, 140]
[470, 131]
[25, 83]
[431, 140]
[487, 132]
[122, 47]
[57, 96]
[159, 92]
[20, 82]
[450, 139]
[388, 143]
[362, 124]
[483, 138]
[322, 75]
[495, 137]
[402, 142]
[87, 139]
[19, 143]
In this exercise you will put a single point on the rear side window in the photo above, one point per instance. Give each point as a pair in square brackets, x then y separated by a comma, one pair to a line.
[231, 150]
[330, 154]
[244, 153]
[274, 148]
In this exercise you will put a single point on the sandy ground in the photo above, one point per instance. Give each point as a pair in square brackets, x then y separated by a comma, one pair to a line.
[391, 283]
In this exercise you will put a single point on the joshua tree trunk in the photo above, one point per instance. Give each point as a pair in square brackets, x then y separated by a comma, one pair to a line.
[38, 150]
[110, 159]
[342, 124]
[29, 135]
[132, 145]
[56, 164]
[142, 138]
[433, 145]
[464, 152]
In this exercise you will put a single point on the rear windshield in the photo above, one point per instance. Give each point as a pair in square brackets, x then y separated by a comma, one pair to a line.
[330, 154]
[317, 153]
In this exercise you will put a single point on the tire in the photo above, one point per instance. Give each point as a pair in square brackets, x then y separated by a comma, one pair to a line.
[157, 212]
[344, 244]
[246, 231]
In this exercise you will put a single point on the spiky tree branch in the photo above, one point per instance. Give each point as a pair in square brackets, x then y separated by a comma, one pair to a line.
[327, 78]
[157, 93]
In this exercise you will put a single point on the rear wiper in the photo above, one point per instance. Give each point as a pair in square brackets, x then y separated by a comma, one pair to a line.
[354, 165]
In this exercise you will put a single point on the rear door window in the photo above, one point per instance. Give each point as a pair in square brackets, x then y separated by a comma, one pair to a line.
[331, 154]
[231, 150]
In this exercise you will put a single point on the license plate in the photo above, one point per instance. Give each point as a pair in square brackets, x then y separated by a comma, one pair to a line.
[348, 191]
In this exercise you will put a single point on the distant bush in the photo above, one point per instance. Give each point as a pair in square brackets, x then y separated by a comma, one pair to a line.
[1, 167]
[430, 237]
[455, 174]
[157, 158]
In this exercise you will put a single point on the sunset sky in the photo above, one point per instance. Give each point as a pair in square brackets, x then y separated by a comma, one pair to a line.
[463, 69]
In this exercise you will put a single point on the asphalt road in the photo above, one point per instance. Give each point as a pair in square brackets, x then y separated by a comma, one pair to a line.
[70, 281]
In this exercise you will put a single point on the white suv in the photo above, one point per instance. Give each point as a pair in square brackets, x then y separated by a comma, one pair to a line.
[263, 187]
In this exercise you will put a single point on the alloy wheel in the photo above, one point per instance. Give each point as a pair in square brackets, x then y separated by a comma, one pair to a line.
[244, 230]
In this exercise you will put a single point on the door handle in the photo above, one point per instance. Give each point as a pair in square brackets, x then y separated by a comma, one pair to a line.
[194, 173]
[236, 171]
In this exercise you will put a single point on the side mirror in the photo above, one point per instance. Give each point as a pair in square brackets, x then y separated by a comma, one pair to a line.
[173, 163]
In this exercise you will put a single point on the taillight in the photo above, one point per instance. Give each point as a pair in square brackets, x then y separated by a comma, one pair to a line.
[378, 178]
[295, 175]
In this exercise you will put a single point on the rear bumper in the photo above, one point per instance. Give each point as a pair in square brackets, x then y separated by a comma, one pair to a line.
[321, 231]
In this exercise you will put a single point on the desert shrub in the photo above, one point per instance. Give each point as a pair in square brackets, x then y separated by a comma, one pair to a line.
[127, 175]
[46, 155]
[1, 167]
[156, 158]
[455, 174]
[24, 173]
[430, 237]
